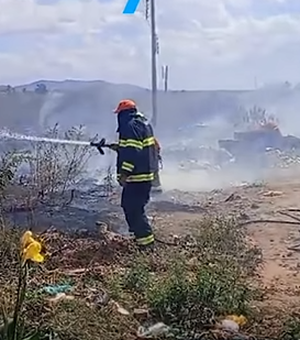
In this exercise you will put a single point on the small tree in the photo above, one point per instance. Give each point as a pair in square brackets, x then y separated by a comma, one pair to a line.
[52, 171]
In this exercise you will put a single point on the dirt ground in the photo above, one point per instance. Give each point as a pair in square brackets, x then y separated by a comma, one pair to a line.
[279, 242]
[280, 273]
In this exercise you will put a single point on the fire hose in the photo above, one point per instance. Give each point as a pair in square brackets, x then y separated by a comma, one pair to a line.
[102, 144]
[114, 146]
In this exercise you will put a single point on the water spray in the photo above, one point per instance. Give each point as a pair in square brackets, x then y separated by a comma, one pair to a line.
[8, 135]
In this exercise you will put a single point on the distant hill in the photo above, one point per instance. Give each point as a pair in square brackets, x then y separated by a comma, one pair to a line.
[90, 103]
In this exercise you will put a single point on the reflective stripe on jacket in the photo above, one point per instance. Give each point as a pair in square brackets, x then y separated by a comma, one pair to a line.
[136, 153]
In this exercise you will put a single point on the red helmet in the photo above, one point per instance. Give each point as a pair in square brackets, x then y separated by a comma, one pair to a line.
[125, 104]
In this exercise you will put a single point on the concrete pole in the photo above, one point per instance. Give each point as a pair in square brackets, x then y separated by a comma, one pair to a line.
[166, 79]
[153, 62]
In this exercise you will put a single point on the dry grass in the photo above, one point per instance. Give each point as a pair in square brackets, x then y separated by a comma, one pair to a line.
[177, 285]
[52, 170]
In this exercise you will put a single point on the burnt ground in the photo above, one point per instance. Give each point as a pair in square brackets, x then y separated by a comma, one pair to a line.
[82, 208]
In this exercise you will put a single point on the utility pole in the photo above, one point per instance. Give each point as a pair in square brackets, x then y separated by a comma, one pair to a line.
[154, 52]
[165, 77]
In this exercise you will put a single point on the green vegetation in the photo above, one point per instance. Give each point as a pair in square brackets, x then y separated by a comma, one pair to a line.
[185, 287]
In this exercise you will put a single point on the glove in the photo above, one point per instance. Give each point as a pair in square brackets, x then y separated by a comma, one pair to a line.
[113, 146]
[122, 180]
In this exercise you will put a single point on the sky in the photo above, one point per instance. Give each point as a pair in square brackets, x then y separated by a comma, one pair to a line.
[208, 44]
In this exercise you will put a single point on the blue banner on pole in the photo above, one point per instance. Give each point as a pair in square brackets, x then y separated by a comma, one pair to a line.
[131, 6]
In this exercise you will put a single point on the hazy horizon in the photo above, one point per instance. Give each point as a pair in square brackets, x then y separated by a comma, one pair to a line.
[220, 44]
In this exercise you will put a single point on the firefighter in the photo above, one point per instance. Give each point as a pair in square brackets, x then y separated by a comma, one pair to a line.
[156, 183]
[136, 165]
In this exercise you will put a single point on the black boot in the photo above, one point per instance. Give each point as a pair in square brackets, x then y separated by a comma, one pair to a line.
[149, 248]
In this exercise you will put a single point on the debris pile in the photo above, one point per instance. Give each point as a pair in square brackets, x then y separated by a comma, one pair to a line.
[282, 159]
[198, 157]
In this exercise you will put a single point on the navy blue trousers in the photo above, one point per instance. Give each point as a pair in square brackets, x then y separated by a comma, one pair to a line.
[135, 196]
